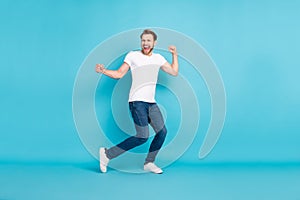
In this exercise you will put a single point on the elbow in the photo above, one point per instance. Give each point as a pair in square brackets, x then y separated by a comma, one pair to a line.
[175, 74]
[118, 76]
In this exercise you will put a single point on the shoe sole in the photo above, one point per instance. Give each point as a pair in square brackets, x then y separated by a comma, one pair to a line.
[104, 168]
[147, 170]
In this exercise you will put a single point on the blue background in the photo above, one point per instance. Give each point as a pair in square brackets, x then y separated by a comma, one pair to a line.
[255, 45]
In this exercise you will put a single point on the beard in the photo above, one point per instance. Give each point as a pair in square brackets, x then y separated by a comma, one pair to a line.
[149, 52]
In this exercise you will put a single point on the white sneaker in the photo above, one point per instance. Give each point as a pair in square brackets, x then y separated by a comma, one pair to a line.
[151, 167]
[103, 160]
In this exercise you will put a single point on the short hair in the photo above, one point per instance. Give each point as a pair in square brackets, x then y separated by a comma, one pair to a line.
[148, 31]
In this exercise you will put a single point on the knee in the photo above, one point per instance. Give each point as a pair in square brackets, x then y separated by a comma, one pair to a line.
[141, 140]
[163, 132]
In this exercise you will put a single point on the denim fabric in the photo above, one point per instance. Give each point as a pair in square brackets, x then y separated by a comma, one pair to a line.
[143, 113]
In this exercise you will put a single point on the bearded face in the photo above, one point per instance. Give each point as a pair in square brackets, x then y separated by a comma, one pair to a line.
[147, 44]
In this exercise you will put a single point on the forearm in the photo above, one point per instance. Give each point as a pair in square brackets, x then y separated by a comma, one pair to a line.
[174, 64]
[116, 74]
[112, 73]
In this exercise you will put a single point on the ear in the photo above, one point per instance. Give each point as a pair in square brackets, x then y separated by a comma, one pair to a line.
[155, 42]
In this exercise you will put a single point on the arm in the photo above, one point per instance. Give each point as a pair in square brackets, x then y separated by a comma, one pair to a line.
[116, 74]
[171, 69]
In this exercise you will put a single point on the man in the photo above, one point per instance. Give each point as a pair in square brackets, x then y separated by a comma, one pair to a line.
[144, 67]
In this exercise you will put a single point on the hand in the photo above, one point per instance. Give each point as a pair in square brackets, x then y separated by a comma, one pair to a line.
[100, 68]
[173, 50]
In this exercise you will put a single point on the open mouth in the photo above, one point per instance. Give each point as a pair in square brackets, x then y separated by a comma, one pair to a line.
[146, 47]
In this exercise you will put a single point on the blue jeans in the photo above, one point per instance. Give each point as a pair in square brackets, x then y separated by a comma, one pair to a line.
[143, 113]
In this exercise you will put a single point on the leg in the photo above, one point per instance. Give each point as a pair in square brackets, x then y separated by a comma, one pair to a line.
[139, 112]
[140, 138]
[157, 122]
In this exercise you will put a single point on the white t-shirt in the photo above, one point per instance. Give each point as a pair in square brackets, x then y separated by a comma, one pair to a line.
[144, 71]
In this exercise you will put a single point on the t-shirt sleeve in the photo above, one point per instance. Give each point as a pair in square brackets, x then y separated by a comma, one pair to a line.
[128, 58]
[162, 60]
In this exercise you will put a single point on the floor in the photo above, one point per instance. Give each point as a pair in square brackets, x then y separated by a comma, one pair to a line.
[215, 181]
